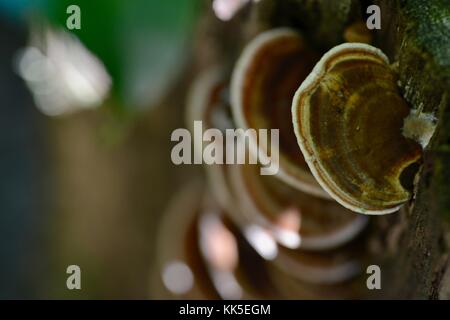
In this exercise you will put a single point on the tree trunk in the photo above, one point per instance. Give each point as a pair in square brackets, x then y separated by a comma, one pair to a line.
[417, 34]
[412, 245]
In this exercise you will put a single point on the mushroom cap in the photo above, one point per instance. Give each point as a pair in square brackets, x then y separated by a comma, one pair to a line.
[296, 219]
[333, 267]
[206, 101]
[348, 117]
[334, 275]
[264, 80]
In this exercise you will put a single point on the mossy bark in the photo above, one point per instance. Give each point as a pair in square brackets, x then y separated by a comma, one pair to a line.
[416, 35]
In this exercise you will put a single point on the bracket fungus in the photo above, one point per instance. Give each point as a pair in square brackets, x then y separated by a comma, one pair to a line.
[348, 117]
[314, 275]
[336, 266]
[264, 80]
[296, 219]
[207, 103]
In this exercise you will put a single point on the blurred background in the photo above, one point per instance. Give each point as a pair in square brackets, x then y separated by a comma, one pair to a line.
[90, 94]
[86, 116]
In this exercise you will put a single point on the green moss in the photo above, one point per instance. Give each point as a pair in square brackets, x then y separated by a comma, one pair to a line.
[430, 21]
[416, 33]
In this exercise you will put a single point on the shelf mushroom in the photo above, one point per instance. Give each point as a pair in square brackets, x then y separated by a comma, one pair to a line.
[270, 69]
[207, 103]
[317, 275]
[296, 219]
[348, 117]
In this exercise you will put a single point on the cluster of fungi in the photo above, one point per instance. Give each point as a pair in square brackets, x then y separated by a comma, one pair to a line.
[344, 156]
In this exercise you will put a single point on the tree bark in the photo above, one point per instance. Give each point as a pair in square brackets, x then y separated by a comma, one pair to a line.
[416, 33]
[413, 244]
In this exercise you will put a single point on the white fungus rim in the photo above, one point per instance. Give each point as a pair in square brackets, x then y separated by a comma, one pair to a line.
[236, 85]
[317, 72]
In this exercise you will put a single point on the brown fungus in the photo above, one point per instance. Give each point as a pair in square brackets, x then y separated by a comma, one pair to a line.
[295, 219]
[264, 80]
[207, 103]
[348, 117]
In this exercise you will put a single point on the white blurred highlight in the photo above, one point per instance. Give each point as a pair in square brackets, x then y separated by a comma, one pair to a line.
[226, 9]
[61, 73]
[178, 277]
[287, 228]
[219, 247]
[218, 243]
[262, 241]
[227, 285]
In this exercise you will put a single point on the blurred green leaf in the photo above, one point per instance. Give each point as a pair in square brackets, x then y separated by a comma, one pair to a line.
[142, 43]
